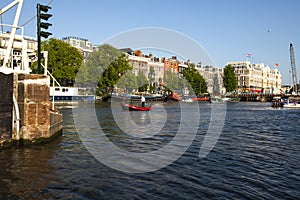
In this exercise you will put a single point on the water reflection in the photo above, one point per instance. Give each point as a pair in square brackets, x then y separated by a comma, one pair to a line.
[141, 118]
[256, 157]
[26, 172]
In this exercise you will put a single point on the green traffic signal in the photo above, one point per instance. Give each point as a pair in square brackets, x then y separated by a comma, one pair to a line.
[45, 25]
[45, 16]
[44, 8]
[45, 34]
[42, 15]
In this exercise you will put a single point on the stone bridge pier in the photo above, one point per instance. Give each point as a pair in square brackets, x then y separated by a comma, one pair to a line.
[25, 110]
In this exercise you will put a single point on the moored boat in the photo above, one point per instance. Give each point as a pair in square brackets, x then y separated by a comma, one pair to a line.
[187, 99]
[234, 99]
[204, 98]
[292, 103]
[277, 102]
[69, 94]
[215, 99]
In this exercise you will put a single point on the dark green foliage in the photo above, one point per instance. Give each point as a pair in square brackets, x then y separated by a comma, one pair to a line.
[128, 82]
[64, 60]
[142, 82]
[151, 79]
[113, 73]
[196, 81]
[103, 68]
[173, 82]
[229, 79]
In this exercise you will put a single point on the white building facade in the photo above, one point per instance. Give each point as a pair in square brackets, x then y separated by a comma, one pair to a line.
[214, 79]
[257, 78]
[83, 45]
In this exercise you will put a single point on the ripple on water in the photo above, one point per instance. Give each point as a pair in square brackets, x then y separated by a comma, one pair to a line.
[256, 157]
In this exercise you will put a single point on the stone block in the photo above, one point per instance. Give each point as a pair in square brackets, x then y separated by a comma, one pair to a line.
[30, 76]
[43, 114]
[37, 92]
[31, 114]
[36, 120]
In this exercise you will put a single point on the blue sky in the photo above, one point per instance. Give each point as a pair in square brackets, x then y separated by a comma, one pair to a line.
[226, 29]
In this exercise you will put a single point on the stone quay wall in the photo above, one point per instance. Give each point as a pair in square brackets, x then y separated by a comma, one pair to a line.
[36, 122]
[6, 105]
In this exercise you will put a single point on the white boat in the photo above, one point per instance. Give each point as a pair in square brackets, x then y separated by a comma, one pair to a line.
[70, 94]
[216, 99]
[292, 103]
[226, 99]
[220, 99]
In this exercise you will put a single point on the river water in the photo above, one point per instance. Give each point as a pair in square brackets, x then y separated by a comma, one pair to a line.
[256, 156]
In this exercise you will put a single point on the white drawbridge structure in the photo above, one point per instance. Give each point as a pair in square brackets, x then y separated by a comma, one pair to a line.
[14, 52]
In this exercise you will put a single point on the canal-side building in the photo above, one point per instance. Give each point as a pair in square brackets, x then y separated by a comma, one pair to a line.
[214, 79]
[22, 54]
[144, 63]
[171, 64]
[83, 45]
[256, 78]
[156, 68]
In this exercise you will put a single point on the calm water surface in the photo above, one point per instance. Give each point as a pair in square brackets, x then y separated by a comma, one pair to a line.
[256, 157]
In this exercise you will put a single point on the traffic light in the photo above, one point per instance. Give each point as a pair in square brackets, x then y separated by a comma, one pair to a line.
[42, 16]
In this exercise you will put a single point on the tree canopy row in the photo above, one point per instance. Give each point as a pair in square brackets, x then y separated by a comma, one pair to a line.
[107, 68]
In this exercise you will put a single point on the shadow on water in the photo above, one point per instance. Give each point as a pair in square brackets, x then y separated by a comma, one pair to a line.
[25, 172]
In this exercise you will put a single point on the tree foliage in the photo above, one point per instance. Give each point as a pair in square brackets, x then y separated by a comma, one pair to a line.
[173, 82]
[151, 79]
[128, 82]
[113, 73]
[103, 68]
[196, 81]
[229, 79]
[142, 82]
[64, 60]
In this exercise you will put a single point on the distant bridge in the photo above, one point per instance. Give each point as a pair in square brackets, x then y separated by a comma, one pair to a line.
[259, 97]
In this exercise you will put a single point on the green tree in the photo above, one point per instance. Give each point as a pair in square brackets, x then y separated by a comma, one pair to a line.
[64, 60]
[113, 73]
[142, 82]
[96, 63]
[151, 79]
[229, 79]
[172, 82]
[196, 81]
[128, 82]
[103, 68]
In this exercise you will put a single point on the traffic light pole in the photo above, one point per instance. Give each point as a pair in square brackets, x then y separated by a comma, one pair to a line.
[39, 38]
[42, 16]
